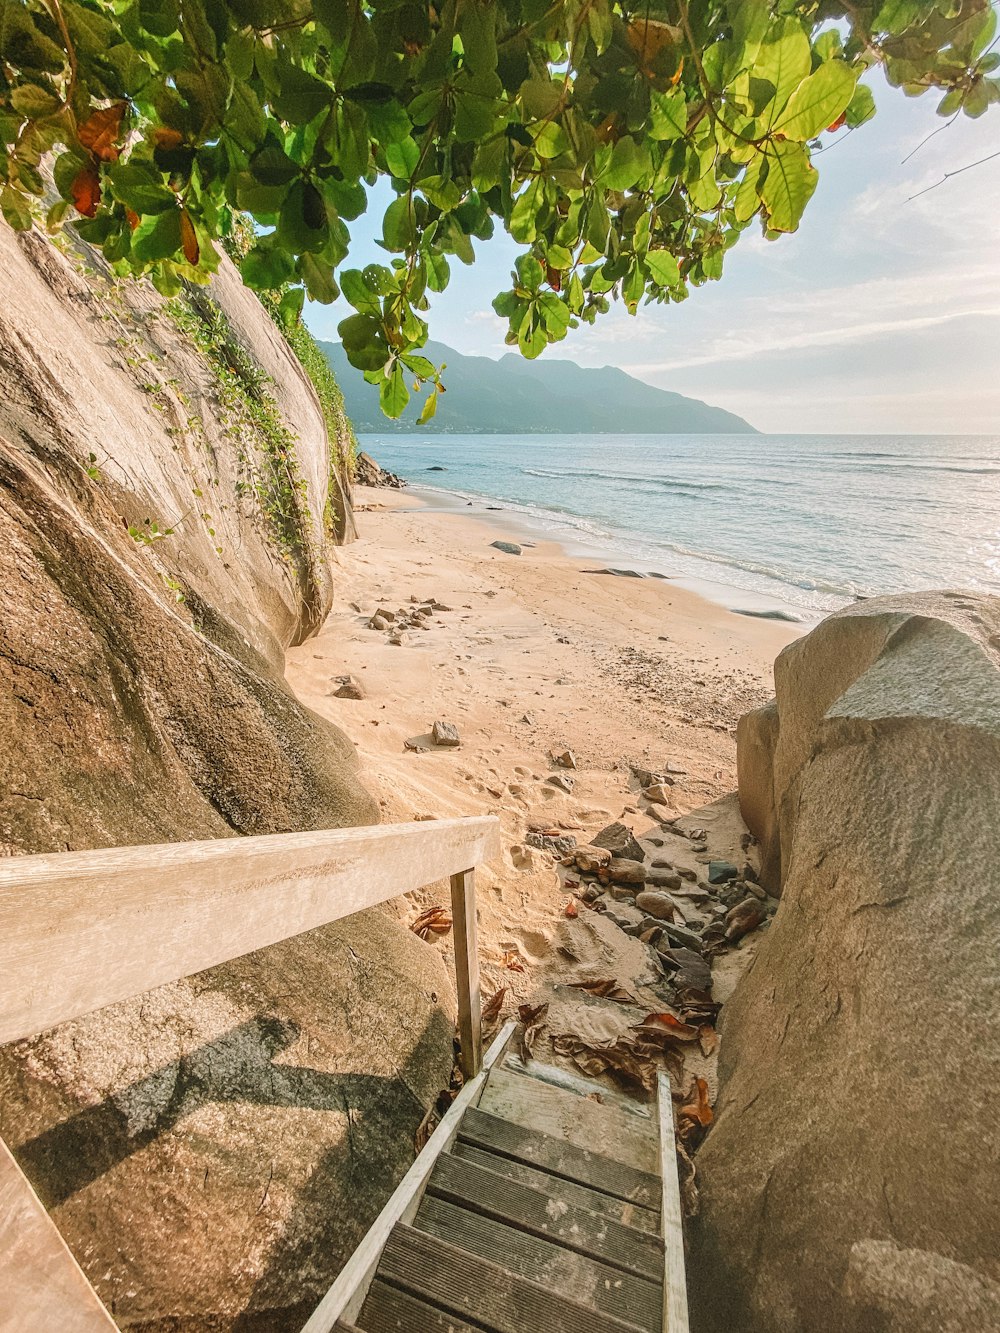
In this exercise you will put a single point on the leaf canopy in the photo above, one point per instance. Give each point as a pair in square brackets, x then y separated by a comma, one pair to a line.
[626, 150]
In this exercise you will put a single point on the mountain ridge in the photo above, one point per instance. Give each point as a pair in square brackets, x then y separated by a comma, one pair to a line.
[519, 397]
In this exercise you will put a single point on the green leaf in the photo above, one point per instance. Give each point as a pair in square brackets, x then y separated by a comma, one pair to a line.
[139, 185]
[271, 165]
[817, 102]
[668, 115]
[438, 271]
[393, 395]
[33, 102]
[157, 237]
[784, 60]
[267, 267]
[359, 293]
[861, 106]
[789, 185]
[662, 268]
[399, 226]
[15, 208]
[429, 409]
[318, 277]
[629, 161]
[402, 158]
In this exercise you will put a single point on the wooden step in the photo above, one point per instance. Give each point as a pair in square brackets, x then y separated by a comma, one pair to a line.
[391, 1310]
[571, 1082]
[563, 1191]
[569, 1116]
[559, 1158]
[483, 1293]
[583, 1279]
[530, 1210]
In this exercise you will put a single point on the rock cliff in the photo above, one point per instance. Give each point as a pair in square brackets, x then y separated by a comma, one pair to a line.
[169, 501]
[848, 1183]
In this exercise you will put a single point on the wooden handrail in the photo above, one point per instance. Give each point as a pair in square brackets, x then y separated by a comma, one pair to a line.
[80, 930]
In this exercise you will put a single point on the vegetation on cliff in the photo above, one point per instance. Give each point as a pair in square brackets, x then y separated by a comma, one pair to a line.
[626, 150]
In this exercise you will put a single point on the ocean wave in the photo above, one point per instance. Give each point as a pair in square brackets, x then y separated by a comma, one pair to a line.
[588, 474]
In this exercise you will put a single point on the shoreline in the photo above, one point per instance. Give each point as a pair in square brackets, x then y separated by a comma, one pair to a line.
[506, 514]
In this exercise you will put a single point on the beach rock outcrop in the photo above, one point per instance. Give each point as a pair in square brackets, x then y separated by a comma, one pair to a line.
[369, 473]
[848, 1182]
[169, 497]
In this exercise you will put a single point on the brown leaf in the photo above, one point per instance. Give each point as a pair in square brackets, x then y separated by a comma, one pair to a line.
[660, 1028]
[571, 910]
[512, 961]
[530, 1015]
[607, 989]
[532, 1018]
[100, 130]
[86, 190]
[132, 218]
[617, 1056]
[434, 921]
[164, 137]
[708, 1039]
[189, 241]
[492, 1007]
[696, 1110]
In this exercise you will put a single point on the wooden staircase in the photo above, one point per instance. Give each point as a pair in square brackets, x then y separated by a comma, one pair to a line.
[542, 1203]
[544, 1211]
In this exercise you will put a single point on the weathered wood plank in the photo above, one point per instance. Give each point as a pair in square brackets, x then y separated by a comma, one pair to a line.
[562, 1191]
[482, 1292]
[470, 1022]
[80, 930]
[566, 1115]
[390, 1310]
[41, 1285]
[561, 1159]
[581, 1278]
[675, 1307]
[530, 1210]
[346, 1297]
[572, 1082]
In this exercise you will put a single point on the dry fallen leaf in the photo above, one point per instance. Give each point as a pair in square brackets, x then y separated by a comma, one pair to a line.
[618, 1056]
[659, 1028]
[571, 910]
[607, 989]
[532, 1017]
[512, 961]
[434, 921]
[695, 1111]
[492, 1007]
[708, 1039]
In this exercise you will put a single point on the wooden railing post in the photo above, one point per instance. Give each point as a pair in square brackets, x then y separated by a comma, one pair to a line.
[470, 1022]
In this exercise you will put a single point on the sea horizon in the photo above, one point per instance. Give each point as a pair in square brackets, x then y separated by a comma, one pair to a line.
[785, 524]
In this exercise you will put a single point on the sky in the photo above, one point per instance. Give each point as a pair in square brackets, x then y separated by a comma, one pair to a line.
[881, 315]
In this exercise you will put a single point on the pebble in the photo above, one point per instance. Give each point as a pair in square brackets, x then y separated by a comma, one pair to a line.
[657, 905]
[561, 780]
[508, 548]
[658, 795]
[567, 759]
[624, 870]
[743, 918]
[445, 733]
[721, 872]
[348, 687]
[398, 639]
[620, 841]
[591, 859]
[663, 879]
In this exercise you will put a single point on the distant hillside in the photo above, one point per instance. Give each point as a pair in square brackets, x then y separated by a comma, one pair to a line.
[520, 397]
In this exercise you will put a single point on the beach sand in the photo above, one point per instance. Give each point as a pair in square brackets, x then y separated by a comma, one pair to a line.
[535, 655]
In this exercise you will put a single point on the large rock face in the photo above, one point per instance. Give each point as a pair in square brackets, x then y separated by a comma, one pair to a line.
[168, 495]
[849, 1182]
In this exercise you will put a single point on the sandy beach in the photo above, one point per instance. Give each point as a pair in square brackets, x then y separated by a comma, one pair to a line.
[534, 655]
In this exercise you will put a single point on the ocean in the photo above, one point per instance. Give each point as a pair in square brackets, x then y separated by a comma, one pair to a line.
[800, 524]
